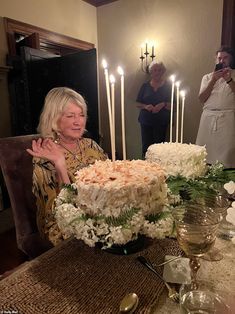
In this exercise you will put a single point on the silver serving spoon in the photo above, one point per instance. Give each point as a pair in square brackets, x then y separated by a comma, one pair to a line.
[129, 303]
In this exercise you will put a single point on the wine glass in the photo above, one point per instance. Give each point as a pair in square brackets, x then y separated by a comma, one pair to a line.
[219, 203]
[226, 229]
[196, 227]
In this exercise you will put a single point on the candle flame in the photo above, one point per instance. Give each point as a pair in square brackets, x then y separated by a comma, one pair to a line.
[120, 70]
[172, 78]
[182, 93]
[104, 64]
[112, 79]
[177, 84]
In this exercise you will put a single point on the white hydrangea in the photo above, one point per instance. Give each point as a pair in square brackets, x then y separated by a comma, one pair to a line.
[120, 235]
[159, 229]
[73, 220]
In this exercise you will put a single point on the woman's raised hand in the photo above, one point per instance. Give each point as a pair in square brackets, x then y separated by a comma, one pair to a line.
[47, 149]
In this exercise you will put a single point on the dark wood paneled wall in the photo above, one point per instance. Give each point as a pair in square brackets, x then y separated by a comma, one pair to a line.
[228, 26]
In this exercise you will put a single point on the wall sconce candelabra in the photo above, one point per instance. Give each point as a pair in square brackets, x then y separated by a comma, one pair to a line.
[145, 57]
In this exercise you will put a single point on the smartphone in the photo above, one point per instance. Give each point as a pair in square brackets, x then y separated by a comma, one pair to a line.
[219, 66]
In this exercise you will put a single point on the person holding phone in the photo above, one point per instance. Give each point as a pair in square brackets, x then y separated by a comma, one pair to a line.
[217, 125]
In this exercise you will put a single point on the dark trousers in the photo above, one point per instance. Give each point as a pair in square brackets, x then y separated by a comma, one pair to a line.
[152, 135]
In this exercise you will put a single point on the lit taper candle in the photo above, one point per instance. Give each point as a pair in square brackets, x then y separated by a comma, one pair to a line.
[177, 109]
[106, 74]
[141, 50]
[182, 94]
[121, 72]
[112, 82]
[172, 106]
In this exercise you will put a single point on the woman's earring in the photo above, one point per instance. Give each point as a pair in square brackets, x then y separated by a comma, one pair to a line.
[57, 137]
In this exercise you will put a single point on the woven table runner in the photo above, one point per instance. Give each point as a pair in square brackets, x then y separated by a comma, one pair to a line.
[74, 278]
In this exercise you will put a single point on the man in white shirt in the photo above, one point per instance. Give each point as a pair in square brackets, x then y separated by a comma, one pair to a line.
[217, 124]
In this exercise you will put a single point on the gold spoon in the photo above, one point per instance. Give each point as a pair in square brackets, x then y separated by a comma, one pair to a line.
[129, 303]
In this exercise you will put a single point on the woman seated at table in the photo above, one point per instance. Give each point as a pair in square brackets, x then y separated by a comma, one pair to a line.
[59, 153]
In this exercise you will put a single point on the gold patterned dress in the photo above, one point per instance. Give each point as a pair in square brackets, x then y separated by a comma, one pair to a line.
[46, 187]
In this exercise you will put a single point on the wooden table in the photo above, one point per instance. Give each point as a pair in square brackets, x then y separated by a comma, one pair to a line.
[74, 278]
[220, 274]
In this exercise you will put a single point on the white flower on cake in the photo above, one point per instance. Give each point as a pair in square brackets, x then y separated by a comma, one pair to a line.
[186, 160]
[112, 203]
[230, 187]
[159, 229]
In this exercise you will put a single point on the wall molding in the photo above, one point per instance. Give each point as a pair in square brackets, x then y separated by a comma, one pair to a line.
[44, 37]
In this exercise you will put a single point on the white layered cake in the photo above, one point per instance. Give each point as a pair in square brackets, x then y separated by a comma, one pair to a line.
[187, 160]
[110, 188]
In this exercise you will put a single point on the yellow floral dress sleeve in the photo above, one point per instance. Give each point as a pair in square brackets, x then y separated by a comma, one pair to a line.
[45, 188]
[45, 185]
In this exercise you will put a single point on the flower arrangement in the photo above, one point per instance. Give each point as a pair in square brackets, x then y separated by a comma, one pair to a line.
[114, 203]
[214, 181]
[94, 226]
[107, 230]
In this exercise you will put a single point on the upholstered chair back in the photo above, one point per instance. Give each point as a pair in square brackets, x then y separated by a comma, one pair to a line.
[16, 166]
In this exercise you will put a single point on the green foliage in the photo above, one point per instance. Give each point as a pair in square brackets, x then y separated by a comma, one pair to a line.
[70, 188]
[189, 189]
[123, 218]
[83, 217]
[217, 176]
[201, 187]
[157, 217]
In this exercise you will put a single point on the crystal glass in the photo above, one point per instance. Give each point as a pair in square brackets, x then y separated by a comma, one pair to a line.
[206, 299]
[196, 227]
[220, 204]
[226, 229]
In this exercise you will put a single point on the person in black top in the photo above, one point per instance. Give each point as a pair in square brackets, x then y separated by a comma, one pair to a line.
[154, 98]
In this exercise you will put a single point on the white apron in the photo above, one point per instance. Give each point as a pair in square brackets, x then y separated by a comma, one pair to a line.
[217, 133]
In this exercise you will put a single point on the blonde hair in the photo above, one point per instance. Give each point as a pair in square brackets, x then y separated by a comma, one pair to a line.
[55, 102]
[159, 64]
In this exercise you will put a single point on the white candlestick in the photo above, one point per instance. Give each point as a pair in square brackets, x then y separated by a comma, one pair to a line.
[112, 82]
[172, 106]
[182, 93]
[141, 50]
[177, 110]
[146, 55]
[146, 48]
[106, 74]
[121, 72]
